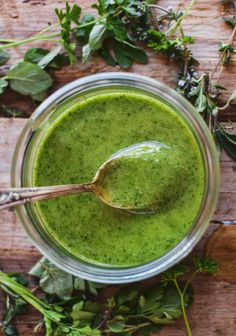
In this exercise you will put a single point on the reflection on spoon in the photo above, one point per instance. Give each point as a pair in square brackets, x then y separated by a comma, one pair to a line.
[140, 178]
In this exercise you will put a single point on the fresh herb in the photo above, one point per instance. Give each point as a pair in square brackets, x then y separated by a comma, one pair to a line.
[4, 57]
[55, 281]
[200, 265]
[66, 19]
[77, 313]
[227, 50]
[27, 79]
[117, 33]
[45, 58]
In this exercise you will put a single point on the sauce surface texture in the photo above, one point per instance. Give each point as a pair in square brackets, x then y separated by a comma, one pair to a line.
[80, 141]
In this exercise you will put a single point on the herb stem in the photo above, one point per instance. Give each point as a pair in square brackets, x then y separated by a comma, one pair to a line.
[181, 294]
[37, 37]
[175, 26]
[223, 53]
[158, 7]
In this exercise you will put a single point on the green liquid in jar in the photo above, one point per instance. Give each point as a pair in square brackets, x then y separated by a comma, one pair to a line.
[80, 141]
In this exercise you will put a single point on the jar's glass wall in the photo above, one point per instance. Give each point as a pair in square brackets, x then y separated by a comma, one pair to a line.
[49, 111]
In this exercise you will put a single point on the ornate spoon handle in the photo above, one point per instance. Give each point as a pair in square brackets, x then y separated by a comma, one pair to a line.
[10, 197]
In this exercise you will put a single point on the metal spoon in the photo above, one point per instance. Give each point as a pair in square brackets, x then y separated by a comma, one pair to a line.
[10, 197]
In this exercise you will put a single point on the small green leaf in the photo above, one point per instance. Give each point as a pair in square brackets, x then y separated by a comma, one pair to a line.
[230, 20]
[34, 55]
[206, 265]
[21, 279]
[49, 57]
[86, 51]
[106, 55]
[201, 102]
[28, 79]
[97, 36]
[3, 84]
[38, 269]
[39, 97]
[117, 324]
[226, 142]
[78, 313]
[10, 330]
[4, 56]
[82, 34]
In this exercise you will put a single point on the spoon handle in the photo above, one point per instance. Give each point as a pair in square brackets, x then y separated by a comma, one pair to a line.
[10, 197]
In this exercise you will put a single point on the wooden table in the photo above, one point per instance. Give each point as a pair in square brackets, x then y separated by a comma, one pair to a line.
[214, 308]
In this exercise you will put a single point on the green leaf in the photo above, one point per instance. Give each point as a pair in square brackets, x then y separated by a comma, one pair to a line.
[28, 79]
[170, 305]
[87, 286]
[86, 51]
[150, 329]
[174, 272]
[97, 35]
[10, 330]
[35, 55]
[38, 269]
[52, 279]
[40, 96]
[117, 324]
[66, 18]
[126, 53]
[105, 54]
[227, 142]
[82, 34]
[3, 84]
[126, 295]
[122, 59]
[4, 56]
[206, 265]
[78, 314]
[21, 279]
[201, 102]
[56, 281]
[230, 20]
[49, 57]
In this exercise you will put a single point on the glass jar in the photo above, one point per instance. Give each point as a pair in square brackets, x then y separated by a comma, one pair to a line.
[37, 126]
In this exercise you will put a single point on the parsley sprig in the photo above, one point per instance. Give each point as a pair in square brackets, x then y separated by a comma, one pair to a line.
[70, 306]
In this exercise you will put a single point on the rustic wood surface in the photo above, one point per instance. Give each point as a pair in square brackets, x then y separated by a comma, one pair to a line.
[214, 309]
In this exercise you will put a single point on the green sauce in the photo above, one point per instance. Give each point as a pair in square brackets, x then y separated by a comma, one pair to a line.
[147, 176]
[80, 141]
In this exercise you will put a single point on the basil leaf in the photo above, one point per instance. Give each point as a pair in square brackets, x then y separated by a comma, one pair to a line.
[4, 56]
[3, 84]
[28, 79]
[34, 55]
[82, 34]
[49, 57]
[105, 54]
[97, 35]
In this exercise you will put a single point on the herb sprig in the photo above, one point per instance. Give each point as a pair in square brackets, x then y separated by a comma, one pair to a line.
[116, 34]
[70, 308]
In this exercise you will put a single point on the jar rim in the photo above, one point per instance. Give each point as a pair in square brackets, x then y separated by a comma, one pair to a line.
[135, 273]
